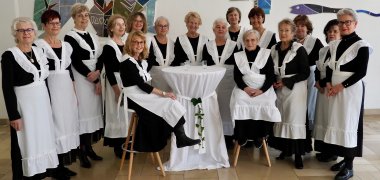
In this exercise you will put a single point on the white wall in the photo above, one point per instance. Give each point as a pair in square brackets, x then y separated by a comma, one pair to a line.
[209, 10]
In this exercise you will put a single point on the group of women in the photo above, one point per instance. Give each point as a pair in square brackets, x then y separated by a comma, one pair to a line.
[288, 91]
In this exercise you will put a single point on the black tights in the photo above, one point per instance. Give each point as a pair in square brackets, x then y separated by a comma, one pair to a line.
[349, 162]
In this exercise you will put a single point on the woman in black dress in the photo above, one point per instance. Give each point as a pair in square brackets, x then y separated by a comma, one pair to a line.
[158, 111]
[86, 70]
[257, 18]
[347, 67]
[235, 31]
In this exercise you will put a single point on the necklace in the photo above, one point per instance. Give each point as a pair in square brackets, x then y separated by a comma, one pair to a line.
[30, 57]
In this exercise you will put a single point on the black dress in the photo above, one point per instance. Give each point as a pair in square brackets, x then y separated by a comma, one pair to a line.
[299, 67]
[77, 56]
[152, 131]
[359, 67]
[206, 56]
[256, 128]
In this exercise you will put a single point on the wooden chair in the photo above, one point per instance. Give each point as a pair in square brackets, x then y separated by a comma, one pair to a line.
[131, 131]
[237, 151]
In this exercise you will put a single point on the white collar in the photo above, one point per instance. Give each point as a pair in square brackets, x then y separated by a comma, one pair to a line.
[80, 31]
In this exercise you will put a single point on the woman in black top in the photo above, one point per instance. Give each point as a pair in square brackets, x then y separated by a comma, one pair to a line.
[158, 111]
[347, 67]
[24, 70]
[116, 126]
[312, 45]
[86, 70]
[257, 18]
[292, 71]
[235, 31]
[189, 46]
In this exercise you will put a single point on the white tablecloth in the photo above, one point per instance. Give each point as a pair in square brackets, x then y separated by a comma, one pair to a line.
[194, 82]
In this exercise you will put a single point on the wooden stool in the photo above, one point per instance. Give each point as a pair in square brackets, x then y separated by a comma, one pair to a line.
[237, 151]
[131, 131]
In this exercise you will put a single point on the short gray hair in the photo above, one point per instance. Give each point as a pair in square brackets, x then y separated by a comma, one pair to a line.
[289, 22]
[160, 19]
[251, 31]
[18, 20]
[347, 11]
[219, 20]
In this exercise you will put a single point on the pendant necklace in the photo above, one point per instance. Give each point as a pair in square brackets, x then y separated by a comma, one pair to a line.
[30, 57]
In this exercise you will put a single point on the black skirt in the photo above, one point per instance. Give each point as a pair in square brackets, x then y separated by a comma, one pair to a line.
[152, 132]
[91, 138]
[252, 129]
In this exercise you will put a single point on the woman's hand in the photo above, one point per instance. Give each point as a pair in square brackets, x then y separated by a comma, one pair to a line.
[170, 95]
[252, 92]
[16, 124]
[117, 92]
[94, 75]
[320, 89]
[278, 84]
[98, 88]
[334, 90]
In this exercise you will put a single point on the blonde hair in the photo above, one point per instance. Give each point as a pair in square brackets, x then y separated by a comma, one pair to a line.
[18, 20]
[127, 48]
[193, 14]
[289, 22]
[111, 23]
[78, 8]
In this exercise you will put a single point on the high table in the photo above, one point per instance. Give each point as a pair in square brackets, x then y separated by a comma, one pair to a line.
[198, 82]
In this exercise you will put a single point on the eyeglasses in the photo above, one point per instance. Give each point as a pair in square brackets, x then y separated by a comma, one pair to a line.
[138, 42]
[347, 23]
[28, 30]
[54, 23]
[163, 26]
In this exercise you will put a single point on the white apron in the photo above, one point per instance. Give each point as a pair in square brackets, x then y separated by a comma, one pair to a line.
[116, 126]
[226, 85]
[170, 110]
[291, 103]
[36, 139]
[262, 107]
[321, 109]
[265, 39]
[89, 103]
[63, 98]
[345, 106]
[311, 90]
[158, 79]
[195, 59]
[239, 41]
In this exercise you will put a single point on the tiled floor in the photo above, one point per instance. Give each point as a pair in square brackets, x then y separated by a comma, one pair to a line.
[251, 164]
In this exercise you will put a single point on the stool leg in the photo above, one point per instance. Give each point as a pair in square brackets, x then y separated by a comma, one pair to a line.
[153, 159]
[236, 154]
[266, 152]
[131, 152]
[131, 123]
[160, 163]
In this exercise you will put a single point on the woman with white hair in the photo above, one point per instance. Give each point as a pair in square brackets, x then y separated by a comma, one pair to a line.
[189, 46]
[24, 70]
[86, 70]
[161, 53]
[220, 52]
[347, 68]
[253, 107]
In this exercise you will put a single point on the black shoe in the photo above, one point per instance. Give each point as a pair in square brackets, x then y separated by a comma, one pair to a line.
[182, 140]
[69, 172]
[119, 153]
[281, 156]
[326, 158]
[258, 143]
[344, 174]
[338, 166]
[298, 163]
[59, 174]
[84, 162]
[91, 154]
